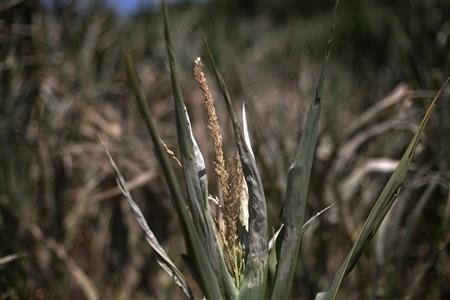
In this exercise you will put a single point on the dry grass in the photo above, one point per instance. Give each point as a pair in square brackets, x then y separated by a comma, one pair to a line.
[63, 83]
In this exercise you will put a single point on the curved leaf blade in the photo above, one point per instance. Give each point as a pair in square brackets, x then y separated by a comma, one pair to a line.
[163, 259]
[194, 243]
[381, 206]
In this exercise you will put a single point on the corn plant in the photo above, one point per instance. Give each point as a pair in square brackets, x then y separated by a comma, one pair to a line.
[229, 251]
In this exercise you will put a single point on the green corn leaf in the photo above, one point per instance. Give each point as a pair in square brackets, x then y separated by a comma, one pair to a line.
[195, 244]
[272, 243]
[297, 190]
[195, 175]
[381, 206]
[294, 207]
[185, 138]
[313, 218]
[255, 278]
[163, 259]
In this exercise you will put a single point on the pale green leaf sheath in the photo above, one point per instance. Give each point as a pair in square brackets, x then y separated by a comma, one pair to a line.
[254, 285]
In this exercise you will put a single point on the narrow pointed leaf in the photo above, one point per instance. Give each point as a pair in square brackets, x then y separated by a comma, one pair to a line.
[199, 160]
[255, 277]
[297, 189]
[195, 175]
[195, 244]
[313, 218]
[245, 129]
[244, 197]
[185, 139]
[381, 206]
[163, 259]
[272, 269]
[294, 207]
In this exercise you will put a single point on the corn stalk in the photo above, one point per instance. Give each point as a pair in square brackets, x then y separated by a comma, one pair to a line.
[269, 264]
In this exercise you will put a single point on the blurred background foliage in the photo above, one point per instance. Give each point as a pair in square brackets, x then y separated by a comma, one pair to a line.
[65, 231]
